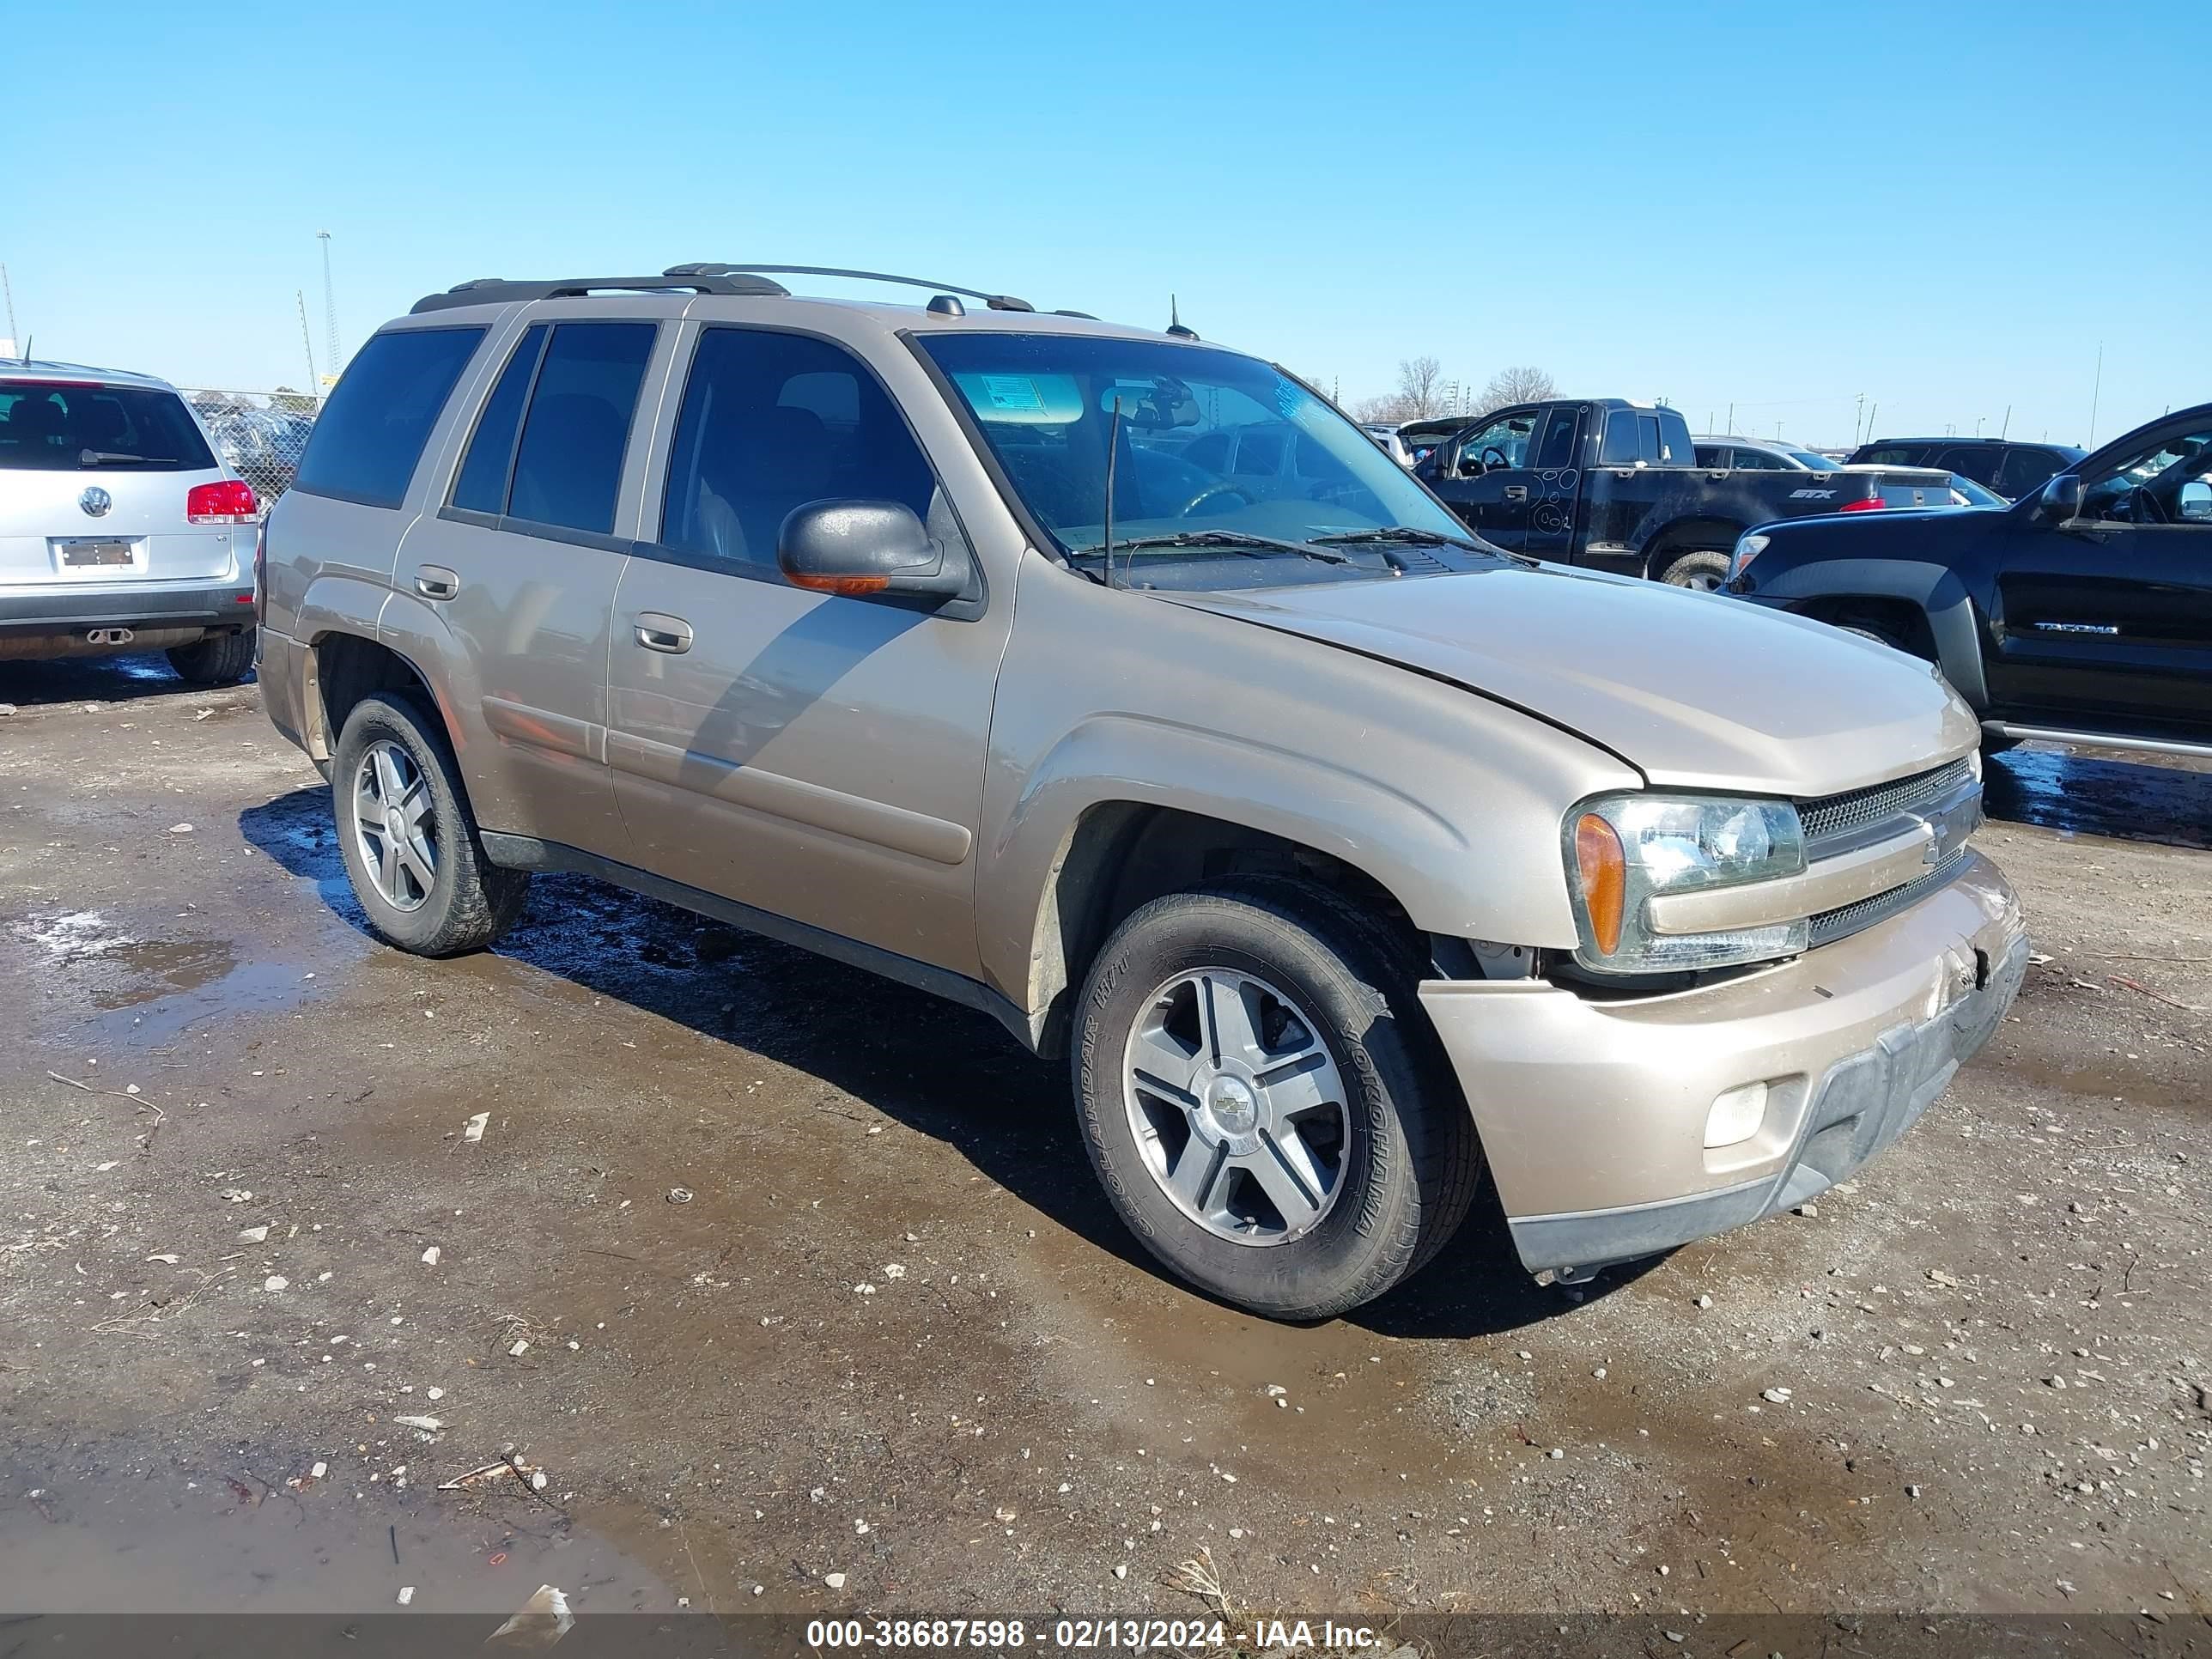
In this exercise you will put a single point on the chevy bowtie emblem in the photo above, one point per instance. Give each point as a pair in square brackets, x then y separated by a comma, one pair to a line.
[1948, 829]
[95, 500]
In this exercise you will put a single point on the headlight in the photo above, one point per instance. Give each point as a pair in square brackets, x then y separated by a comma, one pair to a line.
[1622, 850]
[1748, 548]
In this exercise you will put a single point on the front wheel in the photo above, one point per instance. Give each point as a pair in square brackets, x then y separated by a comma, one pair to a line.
[1262, 1097]
[408, 838]
[1702, 571]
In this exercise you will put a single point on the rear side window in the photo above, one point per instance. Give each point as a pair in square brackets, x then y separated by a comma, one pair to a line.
[568, 467]
[64, 426]
[771, 421]
[372, 431]
[482, 485]
[1894, 455]
[2026, 469]
[1976, 461]
[1621, 447]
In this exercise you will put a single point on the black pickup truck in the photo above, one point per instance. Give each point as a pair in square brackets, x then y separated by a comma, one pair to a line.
[1615, 485]
[2080, 613]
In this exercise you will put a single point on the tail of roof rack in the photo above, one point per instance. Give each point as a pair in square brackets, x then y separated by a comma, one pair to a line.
[708, 271]
[496, 290]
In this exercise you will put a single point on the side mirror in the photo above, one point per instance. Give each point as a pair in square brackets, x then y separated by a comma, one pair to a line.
[859, 548]
[2196, 502]
[2061, 500]
[1470, 466]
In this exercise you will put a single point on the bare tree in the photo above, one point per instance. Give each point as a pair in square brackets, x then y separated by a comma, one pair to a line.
[1391, 409]
[1525, 384]
[1420, 384]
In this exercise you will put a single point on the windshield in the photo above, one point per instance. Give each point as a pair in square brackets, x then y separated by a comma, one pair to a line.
[1209, 445]
[1976, 495]
[68, 426]
[1812, 461]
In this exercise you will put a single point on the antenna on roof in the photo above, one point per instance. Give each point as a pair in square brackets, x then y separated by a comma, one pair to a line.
[1175, 322]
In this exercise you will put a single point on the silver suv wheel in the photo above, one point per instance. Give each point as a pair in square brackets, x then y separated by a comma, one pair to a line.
[395, 821]
[1237, 1106]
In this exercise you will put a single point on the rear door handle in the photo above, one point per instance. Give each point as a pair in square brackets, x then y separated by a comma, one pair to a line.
[658, 632]
[1516, 492]
[434, 581]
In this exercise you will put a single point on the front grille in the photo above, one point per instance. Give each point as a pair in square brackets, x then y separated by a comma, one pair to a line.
[1834, 820]
[1840, 923]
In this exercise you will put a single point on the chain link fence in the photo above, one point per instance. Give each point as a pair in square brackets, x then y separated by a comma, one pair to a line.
[259, 435]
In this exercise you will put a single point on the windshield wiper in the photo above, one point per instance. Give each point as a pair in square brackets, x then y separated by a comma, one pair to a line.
[1257, 547]
[105, 457]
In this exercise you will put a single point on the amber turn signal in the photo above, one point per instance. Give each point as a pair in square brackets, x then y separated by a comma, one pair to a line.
[850, 587]
[1605, 878]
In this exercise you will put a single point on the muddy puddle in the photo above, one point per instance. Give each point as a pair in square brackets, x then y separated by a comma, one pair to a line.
[236, 1535]
[117, 981]
[2131, 799]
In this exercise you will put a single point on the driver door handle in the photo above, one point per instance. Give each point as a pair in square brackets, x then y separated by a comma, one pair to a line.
[659, 632]
[1516, 492]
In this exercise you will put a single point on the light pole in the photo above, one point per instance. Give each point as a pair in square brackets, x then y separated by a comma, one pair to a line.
[330, 307]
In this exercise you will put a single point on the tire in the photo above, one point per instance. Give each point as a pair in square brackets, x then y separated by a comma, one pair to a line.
[1406, 1158]
[1703, 568]
[467, 902]
[217, 659]
[1867, 631]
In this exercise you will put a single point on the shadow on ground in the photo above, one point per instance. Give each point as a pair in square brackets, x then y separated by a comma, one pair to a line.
[943, 1070]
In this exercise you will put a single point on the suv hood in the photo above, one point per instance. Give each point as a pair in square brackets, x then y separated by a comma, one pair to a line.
[1696, 690]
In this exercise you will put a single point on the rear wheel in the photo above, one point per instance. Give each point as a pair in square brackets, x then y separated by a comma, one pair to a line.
[1264, 1101]
[1703, 569]
[217, 659]
[408, 837]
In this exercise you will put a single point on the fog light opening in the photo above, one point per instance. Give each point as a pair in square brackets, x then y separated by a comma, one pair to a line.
[1735, 1115]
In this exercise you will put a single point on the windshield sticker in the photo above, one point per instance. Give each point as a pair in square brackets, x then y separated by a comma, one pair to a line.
[1012, 392]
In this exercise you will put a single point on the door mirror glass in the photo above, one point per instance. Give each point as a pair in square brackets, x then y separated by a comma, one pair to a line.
[855, 549]
[2061, 500]
[2196, 502]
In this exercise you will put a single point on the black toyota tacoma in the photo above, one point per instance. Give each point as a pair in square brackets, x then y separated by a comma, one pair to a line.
[2082, 612]
[1615, 485]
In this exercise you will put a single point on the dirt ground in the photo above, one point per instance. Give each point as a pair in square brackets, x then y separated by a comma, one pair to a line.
[796, 1289]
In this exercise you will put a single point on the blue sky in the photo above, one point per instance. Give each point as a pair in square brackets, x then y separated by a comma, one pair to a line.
[1946, 208]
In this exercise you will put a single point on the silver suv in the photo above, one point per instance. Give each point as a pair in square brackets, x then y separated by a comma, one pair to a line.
[1346, 857]
[119, 529]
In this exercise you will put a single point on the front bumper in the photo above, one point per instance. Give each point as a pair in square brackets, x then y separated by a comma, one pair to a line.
[64, 610]
[1593, 1113]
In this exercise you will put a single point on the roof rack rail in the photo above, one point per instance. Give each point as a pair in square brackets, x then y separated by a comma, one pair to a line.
[497, 290]
[994, 301]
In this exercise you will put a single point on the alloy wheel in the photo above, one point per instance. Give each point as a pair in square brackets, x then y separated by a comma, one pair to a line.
[1239, 1109]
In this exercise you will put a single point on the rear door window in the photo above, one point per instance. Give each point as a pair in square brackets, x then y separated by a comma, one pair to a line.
[482, 485]
[1894, 455]
[567, 466]
[371, 433]
[1757, 460]
[71, 426]
[2025, 469]
[1975, 461]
